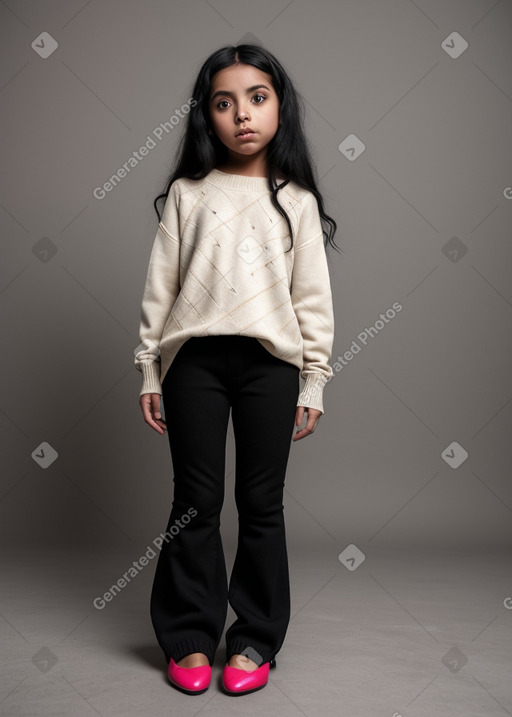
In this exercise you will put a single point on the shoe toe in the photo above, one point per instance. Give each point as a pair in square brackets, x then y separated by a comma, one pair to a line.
[193, 680]
[240, 681]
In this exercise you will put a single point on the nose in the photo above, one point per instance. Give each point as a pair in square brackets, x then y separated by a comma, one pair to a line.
[242, 114]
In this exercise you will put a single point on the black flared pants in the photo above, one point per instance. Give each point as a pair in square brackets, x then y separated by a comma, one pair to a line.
[210, 376]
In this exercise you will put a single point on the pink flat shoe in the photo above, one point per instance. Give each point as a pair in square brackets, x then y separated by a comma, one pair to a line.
[240, 682]
[191, 680]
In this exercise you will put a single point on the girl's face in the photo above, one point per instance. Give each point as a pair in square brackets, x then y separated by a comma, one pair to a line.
[242, 96]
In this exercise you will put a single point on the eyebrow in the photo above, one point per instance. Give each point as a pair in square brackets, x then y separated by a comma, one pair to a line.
[231, 94]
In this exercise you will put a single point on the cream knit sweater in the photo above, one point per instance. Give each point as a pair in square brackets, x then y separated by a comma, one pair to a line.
[218, 266]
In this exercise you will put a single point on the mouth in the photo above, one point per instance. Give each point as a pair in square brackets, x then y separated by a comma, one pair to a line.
[245, 131]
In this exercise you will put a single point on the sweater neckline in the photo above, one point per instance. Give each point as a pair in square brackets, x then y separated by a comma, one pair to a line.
[237, 181]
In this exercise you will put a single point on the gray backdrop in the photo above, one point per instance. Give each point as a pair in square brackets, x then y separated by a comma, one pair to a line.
[409, 109]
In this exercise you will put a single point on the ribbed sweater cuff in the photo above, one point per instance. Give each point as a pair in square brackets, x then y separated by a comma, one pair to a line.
[151, 378]
[312, 393]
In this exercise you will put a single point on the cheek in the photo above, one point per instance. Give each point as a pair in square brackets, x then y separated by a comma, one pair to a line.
[220, 126]
[273, 115]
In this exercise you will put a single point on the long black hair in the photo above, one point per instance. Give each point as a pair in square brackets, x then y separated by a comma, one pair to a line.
[288, 153]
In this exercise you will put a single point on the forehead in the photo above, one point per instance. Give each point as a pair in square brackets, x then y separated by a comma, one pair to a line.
[239, 78]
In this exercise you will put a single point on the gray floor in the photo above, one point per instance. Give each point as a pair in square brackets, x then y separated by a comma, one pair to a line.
[408, 633]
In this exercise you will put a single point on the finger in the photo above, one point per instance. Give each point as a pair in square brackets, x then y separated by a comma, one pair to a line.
[157, 426]
[313, 417]
[155, 403]
[147, 403]
[156, 412]
[301, 434]
[299, 415]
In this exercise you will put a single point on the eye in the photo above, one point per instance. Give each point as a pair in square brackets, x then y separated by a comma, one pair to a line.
[258, 94]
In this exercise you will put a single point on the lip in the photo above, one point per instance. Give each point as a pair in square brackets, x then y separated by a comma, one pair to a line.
[245, 130]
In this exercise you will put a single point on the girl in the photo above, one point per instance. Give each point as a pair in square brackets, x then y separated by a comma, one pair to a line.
[237, 305]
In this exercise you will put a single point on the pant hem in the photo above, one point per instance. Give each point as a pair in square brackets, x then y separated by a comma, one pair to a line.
[179, 649]
[242, 646]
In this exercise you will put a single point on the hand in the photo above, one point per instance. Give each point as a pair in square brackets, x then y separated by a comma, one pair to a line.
[150, 405]
[313, 416]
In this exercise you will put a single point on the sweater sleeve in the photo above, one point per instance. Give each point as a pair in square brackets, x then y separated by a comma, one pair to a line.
[312, 302]
[160, 292]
